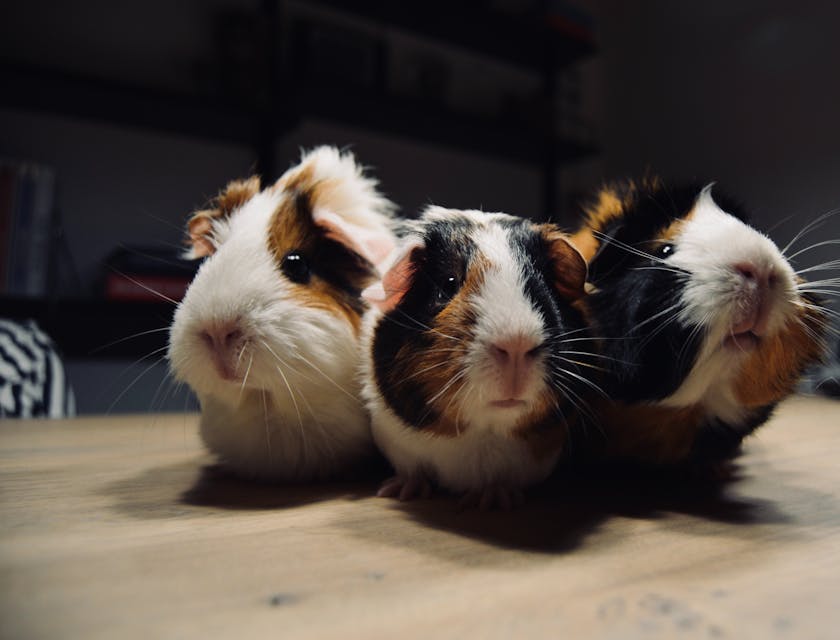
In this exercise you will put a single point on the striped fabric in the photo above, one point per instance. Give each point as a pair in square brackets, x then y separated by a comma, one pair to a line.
[32, 380]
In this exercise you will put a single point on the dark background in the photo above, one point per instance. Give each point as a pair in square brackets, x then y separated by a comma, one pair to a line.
[145, 109]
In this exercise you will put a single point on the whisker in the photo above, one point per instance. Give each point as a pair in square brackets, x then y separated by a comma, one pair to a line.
[816, 245]
[245, 377]
[575, 400]
[425, 327]
[592, 354]
[264, 394]
[126, 338]
[447, 386]
[424, 370]
[297, 409]
[581, 364]
[327, 378]
[143, 286]
[825, 266]
[136, 379]
[659, 314]
[582, 379]
[811, 226]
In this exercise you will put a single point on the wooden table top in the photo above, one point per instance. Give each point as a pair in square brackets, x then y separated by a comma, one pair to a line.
[116, 527]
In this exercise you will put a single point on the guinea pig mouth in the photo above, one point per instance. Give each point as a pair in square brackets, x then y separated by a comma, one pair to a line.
[509, 403]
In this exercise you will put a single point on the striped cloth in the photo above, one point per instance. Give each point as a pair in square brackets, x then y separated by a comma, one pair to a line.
[32, 380]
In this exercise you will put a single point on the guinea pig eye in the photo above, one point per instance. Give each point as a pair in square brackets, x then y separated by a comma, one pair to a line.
[665, 250]
[296, 268]
[446, 290]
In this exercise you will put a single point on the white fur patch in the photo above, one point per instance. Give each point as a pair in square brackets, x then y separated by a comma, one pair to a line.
[485, 454]
[502, 312]
[709, 246]
[294, 410]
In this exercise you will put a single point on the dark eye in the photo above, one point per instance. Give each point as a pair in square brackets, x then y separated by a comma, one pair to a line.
[296, 268]
[445, 290]
[665, 250]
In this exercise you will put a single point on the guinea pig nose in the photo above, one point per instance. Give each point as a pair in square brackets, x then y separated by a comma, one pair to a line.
[754, 274]
[515, 348]
[222, 338]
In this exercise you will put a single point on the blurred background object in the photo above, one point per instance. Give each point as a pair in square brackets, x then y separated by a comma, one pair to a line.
[33, 383]
[118, 119]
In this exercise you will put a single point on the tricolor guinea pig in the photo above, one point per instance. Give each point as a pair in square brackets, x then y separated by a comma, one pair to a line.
[702, 323]
[476, 362]
[267, 334]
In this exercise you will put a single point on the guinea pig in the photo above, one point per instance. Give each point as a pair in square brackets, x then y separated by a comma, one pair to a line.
[702, 323]
[476, 363]
[267, 334]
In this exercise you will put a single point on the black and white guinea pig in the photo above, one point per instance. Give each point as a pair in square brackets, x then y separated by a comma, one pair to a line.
[476, 362]
[702, 323]
[267, 334]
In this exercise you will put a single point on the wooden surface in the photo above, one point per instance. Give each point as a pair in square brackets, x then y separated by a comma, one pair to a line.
[116, 528]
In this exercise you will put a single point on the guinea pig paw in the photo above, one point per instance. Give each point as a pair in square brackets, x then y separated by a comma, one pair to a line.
[493, 497]
[405, 488]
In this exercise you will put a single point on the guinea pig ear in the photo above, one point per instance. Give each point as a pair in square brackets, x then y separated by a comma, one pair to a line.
[397, 280]
[569, 266]
[200, 225]
[374, 245]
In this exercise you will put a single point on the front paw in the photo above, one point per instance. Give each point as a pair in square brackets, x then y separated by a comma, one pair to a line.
[493, 497]
[405, 488]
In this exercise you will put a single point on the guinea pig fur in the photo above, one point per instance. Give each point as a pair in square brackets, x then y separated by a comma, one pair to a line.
[702, 322]
[267, 334]
[476, 362]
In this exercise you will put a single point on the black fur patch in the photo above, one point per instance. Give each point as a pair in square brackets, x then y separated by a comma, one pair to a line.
[649, 353]
[345, 270]
[447, 253]
[718, 440]
[567, 371]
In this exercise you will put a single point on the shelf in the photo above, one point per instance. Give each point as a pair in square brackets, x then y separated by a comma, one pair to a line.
[524, 41]
[99, 329]
[72, 94]
[434, 124]
[96, 99]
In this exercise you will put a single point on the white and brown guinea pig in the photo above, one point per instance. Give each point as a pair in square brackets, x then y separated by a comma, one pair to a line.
[703, 324]
[476, 360]
[267, 334]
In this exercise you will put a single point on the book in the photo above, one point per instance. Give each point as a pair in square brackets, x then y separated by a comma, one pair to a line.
[26, 218]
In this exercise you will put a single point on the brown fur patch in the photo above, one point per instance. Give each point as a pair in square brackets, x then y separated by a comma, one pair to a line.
[611, 202]
[200, 225]
[338, 274]
[772, 371]
[650, 433]
[569, 265]
[670, 233]
[664, 435]
[445, 357]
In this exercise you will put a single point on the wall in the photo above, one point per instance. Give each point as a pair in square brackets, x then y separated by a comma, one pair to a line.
[745, 93]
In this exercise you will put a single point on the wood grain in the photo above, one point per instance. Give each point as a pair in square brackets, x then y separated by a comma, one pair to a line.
[122, 528]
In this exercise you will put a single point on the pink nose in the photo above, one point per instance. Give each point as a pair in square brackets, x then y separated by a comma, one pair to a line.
[512, 350]
[514, 356]
[761, 277]
[755, 299]
[224, 340]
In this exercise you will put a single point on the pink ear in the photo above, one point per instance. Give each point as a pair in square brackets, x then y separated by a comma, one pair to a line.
[372, 244]
[396, 282]
[200, 228]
